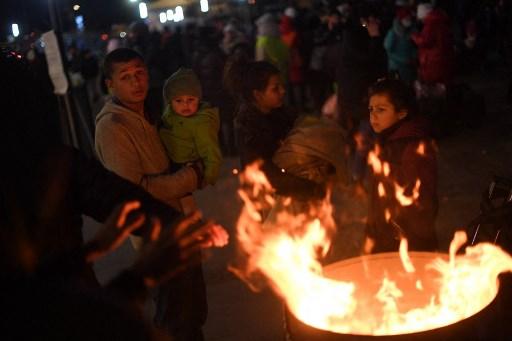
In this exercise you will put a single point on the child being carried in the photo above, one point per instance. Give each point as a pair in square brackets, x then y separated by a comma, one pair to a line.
[190, 126]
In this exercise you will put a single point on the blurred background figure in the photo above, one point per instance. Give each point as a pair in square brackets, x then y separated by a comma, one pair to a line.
[400, 48]
[269, 46]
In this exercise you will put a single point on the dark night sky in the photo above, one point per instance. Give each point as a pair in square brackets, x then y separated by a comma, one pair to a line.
[33, 14]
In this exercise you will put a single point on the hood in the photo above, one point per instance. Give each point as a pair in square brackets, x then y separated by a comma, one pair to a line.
[111, 109]
[313, 140]
[267, 26]
[437, 17]
[413, 127]
[399, 28]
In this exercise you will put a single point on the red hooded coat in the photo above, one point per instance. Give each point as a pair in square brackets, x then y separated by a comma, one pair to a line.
[435, 48]
[409, 151]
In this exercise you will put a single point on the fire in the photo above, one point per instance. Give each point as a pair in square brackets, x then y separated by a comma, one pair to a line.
[386, 169]
[382, 191]
[421, 149]
[404, 256]
[374, 161]
[387, 215]
[405, 200]
[284, 249]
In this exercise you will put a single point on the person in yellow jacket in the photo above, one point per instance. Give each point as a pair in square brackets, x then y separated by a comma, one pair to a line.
[190, 126]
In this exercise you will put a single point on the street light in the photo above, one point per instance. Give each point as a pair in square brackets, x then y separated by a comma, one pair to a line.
[163, 17]
[204, 6]
[15, 30]
[178, 14]
[76, 7]
[143, 10]
[170, 15]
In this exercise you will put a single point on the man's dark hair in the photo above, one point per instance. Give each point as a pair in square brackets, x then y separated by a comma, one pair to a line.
[121, 55]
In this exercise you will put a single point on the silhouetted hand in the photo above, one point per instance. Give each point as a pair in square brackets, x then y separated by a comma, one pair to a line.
[172, 251]
[121, 222]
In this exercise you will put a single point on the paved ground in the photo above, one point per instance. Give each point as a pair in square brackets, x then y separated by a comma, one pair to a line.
[467, 162]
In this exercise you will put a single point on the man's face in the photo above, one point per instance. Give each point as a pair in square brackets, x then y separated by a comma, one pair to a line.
[129, 82]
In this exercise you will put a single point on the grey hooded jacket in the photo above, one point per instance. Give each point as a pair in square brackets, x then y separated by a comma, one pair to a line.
[127, 144]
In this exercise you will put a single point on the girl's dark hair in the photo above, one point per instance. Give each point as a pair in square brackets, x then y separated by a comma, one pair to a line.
[242, 77]
[400, 94]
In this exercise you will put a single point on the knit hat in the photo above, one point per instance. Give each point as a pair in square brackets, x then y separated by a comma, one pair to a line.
[424, 10]
[182, 82]
[290, 12]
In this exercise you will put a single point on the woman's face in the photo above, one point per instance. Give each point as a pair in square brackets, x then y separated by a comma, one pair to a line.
[383, 113]
[272, 96]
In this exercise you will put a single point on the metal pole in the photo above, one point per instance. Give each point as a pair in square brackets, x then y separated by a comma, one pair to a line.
[69, 107]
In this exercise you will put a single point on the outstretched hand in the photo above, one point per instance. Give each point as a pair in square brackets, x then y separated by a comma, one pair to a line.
[171, 251]
[120, 224]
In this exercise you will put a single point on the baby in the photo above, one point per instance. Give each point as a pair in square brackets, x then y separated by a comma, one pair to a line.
[190, 127]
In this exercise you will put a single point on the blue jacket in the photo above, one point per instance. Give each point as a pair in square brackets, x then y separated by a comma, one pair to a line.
[401, 51]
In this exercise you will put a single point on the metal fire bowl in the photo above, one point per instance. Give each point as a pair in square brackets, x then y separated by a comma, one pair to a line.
[367, 273]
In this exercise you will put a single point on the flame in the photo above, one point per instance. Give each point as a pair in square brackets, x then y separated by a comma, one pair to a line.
[404, 256]
[381, 190]
[421, 149]
[374, 161]
[386, 169]
[283, 249]
[405, 200]
[459, 238]
[387, 215]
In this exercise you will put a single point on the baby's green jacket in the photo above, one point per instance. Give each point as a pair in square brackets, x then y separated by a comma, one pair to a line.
[194, 137]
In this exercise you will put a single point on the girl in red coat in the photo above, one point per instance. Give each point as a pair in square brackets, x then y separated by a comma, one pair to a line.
[435, 46]
[403, 200]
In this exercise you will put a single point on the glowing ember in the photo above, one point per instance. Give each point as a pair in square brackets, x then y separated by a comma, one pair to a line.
[379, 294]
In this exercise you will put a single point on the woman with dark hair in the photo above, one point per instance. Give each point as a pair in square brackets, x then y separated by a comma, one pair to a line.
[403, 202]
[261, 123]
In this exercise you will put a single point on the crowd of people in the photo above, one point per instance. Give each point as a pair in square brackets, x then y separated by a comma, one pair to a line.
[366, 73]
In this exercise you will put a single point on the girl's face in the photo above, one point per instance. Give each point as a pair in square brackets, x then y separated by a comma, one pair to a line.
[383, 113]
[272, 96]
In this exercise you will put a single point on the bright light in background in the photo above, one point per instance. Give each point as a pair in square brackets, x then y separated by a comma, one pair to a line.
[163, 17]
[122, 34]
[143, 10]
[134, 0]
[15, 30]
[79, 20]
[76, 7]
[170, 15]
[178, 15]
[204, 5]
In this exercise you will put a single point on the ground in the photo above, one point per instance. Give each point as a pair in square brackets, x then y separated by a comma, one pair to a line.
[468, 159]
